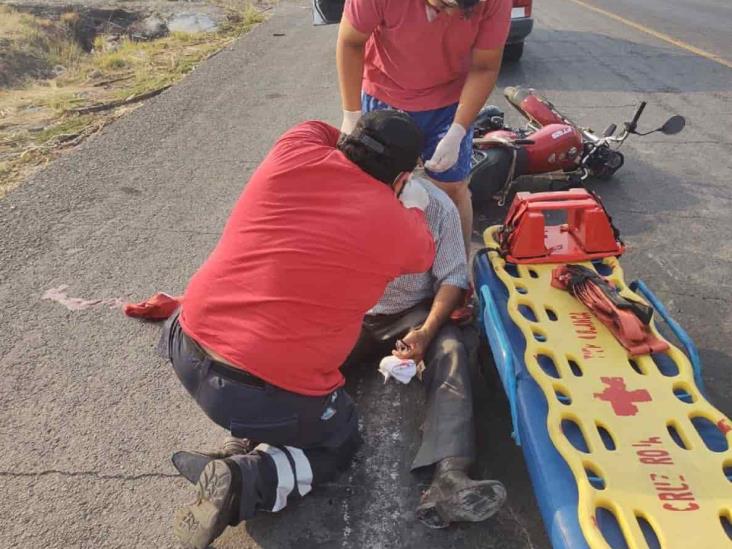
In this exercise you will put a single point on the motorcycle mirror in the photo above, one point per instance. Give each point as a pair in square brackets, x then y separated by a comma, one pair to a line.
[673, 125]
[610, 130]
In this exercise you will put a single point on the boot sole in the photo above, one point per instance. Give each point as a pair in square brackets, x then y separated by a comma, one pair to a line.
[198, 524]
[430, 517]
[474, 504]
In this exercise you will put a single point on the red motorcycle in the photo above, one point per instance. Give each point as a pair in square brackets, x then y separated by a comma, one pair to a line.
[553, 146]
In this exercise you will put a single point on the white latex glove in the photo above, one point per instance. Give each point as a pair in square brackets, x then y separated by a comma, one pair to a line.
[448, 150]
[349, 121]
[414, 195]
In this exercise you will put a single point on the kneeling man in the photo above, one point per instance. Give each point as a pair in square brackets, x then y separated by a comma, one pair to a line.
[269, 318]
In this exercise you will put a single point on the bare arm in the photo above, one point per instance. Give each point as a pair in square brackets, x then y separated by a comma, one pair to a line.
[448, 298]
[417, 340]
[484, 69]
[349, 60]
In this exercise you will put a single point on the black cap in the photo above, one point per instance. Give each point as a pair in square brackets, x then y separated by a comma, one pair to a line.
[393, 134]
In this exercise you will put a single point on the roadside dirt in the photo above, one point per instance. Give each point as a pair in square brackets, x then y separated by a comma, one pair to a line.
[66, 70]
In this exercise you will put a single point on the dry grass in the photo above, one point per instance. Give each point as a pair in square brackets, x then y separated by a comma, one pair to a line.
[39, 115]
[33, 47]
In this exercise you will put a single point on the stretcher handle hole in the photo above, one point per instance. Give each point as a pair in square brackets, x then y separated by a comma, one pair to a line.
[576, 370]
[602, 268]
[574, 435]
[533, 273]
[648, 532]
[673, 431]
[683, 394]
[596, 480]
[551, 314]
[610, 529]
[548, 365]
[710, 434]
[636, 367]
[538, 336]
[512, 270]
[606, 437]
[724, 519]
[727, 470]
[666, 364]
[522, 290]
[562, 396]
[528, 312]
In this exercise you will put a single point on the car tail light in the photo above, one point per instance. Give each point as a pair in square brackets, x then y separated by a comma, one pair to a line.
[521, 8]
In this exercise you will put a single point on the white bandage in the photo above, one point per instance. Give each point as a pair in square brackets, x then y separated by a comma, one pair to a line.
[414, 195]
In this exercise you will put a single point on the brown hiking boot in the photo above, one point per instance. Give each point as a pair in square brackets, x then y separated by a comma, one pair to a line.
[196, 525]
[191, 464]
[454, 497]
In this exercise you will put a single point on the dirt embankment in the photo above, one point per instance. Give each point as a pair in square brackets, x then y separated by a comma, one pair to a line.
[67, 70]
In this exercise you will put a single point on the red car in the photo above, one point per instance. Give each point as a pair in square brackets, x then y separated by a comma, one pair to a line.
[521, 25]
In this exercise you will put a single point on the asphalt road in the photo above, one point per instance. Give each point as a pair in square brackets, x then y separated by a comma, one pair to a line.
[704, 24]
[89, 414]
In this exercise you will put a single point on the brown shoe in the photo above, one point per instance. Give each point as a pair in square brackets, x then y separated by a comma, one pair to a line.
[191, 464]
[196, 525]
[454, 497]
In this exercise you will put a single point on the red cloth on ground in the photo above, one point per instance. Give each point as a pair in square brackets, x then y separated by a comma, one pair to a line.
[308, 249]
[158, 307]
[627, 328]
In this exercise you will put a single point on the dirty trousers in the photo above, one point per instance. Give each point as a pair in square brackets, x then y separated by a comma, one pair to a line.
[448, 429]
[302, 440]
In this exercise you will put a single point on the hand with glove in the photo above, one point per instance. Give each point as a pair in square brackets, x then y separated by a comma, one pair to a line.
[414, 195]
[349, 121]
[447, 151]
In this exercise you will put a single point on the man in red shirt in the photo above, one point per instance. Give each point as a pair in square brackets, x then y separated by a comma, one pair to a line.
[438, 60]
[271, 315]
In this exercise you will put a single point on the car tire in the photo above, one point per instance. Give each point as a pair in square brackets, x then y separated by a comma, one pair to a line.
[513, 52]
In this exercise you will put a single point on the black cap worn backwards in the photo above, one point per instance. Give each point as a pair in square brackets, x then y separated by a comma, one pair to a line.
[392, 134]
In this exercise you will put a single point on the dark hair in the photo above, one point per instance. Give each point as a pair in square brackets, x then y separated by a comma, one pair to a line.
[377, 165]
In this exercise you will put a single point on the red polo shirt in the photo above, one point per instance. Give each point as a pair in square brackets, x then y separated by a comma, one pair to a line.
[308, 249]
[416, 64]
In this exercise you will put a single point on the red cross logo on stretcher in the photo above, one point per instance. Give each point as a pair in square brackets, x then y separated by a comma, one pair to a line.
[622, 400]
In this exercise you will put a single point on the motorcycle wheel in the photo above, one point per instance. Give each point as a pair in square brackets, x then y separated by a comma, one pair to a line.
[613, 163]
[489, 175]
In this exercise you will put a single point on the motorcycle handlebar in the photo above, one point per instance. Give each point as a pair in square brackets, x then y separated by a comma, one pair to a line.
[632, 125]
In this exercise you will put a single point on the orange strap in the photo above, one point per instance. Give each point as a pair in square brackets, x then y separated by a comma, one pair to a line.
[592, 290]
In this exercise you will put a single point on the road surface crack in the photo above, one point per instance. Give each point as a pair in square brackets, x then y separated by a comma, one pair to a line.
[91, 474]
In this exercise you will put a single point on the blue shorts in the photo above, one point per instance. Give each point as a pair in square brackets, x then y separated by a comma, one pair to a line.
[434, 125]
